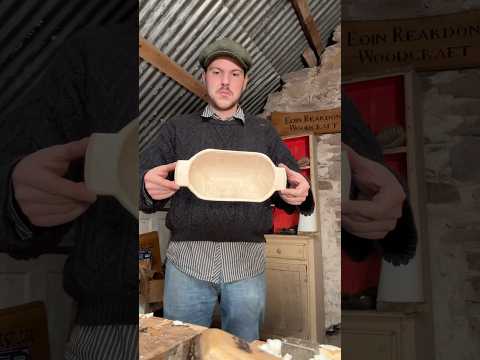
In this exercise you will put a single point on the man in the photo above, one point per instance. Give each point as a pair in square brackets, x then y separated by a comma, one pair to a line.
[87, 88]
[217, 248]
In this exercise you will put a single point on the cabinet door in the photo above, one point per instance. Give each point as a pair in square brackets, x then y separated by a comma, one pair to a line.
[287, 301]
[378, 336]
[369, 345]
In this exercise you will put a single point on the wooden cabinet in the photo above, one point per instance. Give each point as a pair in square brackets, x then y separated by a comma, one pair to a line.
[294, 275]
[294, 288]
[303, 147]
[378, 335]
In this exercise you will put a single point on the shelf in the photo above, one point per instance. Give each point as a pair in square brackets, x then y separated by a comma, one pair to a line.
[303, 150]
[377, 314]
[397, 150]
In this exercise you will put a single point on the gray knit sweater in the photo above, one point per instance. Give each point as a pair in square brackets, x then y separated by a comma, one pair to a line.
[87, 88]
[193, 219]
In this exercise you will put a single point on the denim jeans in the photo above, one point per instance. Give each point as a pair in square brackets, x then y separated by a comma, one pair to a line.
[242, 303]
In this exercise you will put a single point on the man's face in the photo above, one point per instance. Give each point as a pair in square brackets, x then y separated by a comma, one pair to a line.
[225, 81]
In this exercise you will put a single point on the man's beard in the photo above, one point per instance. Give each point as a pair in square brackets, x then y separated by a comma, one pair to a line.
[228, 103]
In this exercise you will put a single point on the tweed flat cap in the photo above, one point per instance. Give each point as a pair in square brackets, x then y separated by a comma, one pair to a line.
[225, 47]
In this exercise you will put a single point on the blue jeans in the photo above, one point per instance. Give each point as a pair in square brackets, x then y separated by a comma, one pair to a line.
[242, 303]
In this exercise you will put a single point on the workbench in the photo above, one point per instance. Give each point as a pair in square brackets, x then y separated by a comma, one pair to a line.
[161, 339]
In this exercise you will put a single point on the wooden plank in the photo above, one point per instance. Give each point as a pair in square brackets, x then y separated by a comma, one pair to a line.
[160, 339]
[308, 25]
[427, 43]
[162, 62]
[215, 344]
[318, 122]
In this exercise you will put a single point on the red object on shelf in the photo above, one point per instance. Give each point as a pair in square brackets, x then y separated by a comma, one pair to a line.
[381, 102]
[398, 163]
[282, 220]
[305, 172]
[358, 276]
[299, 147]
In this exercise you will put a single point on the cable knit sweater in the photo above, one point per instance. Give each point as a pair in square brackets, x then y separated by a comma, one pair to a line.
[193, 219]
[89, 87]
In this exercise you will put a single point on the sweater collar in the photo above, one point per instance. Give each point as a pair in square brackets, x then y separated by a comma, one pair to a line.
[208, 113]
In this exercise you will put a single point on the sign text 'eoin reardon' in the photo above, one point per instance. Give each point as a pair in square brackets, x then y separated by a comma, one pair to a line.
[428, 43]
[318, 122]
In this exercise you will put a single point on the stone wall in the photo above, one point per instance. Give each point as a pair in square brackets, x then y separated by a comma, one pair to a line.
[314, 89]
[451, 113]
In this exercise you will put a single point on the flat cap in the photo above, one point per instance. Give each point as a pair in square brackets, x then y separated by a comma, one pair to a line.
[225, 47]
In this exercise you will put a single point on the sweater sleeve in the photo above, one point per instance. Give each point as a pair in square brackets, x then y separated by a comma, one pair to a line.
[399, 245]
[280, 154]
[38, 121]
[160, 151]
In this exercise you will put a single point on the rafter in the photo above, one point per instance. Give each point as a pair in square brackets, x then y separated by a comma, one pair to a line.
[308, 25]
[162, 62]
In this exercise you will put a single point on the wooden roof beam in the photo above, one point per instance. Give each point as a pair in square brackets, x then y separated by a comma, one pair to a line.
[309, 26]
[310, 57]
[162, 62]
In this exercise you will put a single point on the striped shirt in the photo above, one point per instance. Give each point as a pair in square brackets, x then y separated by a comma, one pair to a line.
[218, 262]
[104, 342]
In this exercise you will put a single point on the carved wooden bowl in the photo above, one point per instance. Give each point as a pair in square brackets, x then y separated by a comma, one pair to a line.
[111, 166]
[224, 175]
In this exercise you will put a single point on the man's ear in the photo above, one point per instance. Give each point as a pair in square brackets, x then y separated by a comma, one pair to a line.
[245, 81]
[203, 77]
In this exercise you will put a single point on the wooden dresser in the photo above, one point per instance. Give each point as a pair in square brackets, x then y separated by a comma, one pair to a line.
[294, 288]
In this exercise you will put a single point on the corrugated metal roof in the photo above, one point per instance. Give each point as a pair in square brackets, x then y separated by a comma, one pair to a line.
[268, 29]
[31, 31]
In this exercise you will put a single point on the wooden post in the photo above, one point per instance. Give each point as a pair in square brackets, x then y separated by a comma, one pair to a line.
[308, 25]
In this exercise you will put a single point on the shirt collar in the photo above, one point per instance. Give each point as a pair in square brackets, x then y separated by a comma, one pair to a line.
[208, 113]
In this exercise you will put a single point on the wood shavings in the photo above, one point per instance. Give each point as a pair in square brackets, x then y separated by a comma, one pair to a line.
[272, 347]
[145, 316]
[178, 323]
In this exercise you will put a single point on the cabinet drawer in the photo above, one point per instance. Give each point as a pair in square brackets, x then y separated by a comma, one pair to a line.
[286, 251]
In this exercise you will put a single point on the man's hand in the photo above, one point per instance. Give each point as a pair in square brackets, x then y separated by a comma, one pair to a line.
[375, 217]
[297, 193]
[156, 182]
[41, 191]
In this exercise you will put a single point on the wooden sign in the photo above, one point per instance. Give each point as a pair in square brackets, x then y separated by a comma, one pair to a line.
[318, 122]
[426, 44]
